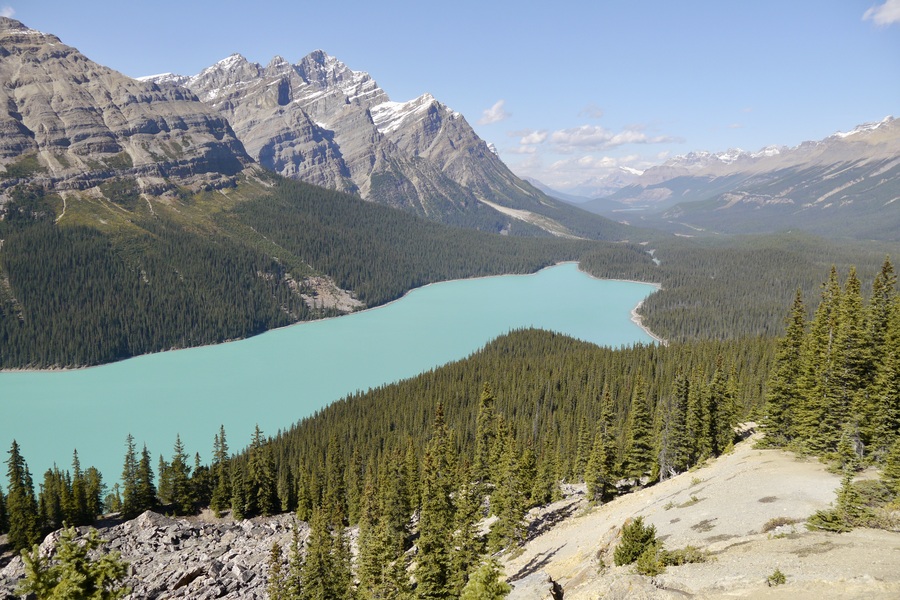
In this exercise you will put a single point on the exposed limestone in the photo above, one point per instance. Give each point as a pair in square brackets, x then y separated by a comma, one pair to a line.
[71, 123]
[186, 558]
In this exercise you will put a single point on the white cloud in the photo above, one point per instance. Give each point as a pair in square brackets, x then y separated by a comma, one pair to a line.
[7, 11]
[494, 114]
[594, 137]
[534, 137]
[885, 14]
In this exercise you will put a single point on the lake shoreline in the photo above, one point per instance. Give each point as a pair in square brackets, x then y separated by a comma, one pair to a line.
[635, 318]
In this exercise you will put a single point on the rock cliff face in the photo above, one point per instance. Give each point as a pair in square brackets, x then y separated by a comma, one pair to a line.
[321, 122]
[180, 558]
[70, 121]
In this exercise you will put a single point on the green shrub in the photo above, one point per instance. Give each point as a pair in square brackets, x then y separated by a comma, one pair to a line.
[636, 539]
[776, 578]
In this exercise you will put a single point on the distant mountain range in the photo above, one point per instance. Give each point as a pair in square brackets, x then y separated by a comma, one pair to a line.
[847, 185]
[71, 124]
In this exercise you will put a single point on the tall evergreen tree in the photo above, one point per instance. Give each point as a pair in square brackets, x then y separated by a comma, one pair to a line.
[4, 521]
[434, 560]
[639, 459]
[602, 474]
[485, 434]
[21, 504]
[467, 547]
[146, 490]
[486, 584]
[277, 576]
[221, 497]
[131, 503]
[818, 370]
[783, 392]
[180, 478]
[263, 494]
[508, 499]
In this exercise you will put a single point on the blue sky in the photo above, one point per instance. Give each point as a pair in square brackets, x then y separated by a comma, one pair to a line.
[566, 91]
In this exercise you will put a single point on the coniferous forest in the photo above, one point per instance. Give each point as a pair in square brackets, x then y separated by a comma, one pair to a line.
[421, 462]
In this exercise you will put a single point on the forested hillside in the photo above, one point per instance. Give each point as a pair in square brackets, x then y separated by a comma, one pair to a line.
[510, 422]
[84, 281]
[734, 287]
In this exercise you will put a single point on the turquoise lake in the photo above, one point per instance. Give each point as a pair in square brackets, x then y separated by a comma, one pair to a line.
[279, 377]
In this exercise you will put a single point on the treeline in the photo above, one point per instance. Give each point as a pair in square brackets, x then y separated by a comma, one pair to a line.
[452, 449]
[73, 295]
[736, 287]
[835, 387]
[382, 253]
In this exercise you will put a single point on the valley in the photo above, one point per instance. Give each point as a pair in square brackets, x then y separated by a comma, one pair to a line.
[387, 365]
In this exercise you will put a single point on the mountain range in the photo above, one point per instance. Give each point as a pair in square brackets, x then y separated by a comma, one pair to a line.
[844, 185]
[72, 124]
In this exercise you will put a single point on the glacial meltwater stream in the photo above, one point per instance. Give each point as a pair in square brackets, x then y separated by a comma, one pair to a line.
[279, 377]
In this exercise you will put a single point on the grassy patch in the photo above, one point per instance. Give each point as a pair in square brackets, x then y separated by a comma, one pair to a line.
[777, 522]
[120, 161]
[26, 166]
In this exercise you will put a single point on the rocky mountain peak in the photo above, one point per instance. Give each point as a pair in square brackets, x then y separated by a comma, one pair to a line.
[74, 123]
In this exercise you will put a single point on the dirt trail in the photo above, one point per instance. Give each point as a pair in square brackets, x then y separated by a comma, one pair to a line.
[723, 508]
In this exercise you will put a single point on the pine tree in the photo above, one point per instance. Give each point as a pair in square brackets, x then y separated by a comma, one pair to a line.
[95, 490]
[508, 499]
[131, 504]
[4, 521]
[639, 453]
[146, 490]
[546, 483]
[818, 370]
[335, 500]
[78, 514]
[698, 418]
[180, 478]
[486, 584]
[467, 547]
[21, 504]
[890, 474]
[74, 574]
[263, 495]
[485, 435]
[885, 389]
[783, 392]
[436, 516]
[722, 410]
[602, 473]
[221, 497]
[277, 577]
[164, 489]
[239, 493]
[849, 400]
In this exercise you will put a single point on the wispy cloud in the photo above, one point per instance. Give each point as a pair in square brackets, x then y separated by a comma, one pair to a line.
[7, 11]
[533, 137]
[591, 111]
[884, 14]
[594, 137]
[494, 114]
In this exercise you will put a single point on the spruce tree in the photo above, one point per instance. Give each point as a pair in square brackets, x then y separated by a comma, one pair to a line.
[277, 577]
[486, 584]
[890, 474]
[485, 435]
[885, 388]
[335, 500]
[263, 495]
[818, 371]
[639, 453]
[146, 490]
[783, 392]
[180, 477]
[78, 514]
[4, 521]
[131, 504]
[96, 490]
[467, 546]
[221, 497]
[21, 504]
[508, 499]
[434, 562]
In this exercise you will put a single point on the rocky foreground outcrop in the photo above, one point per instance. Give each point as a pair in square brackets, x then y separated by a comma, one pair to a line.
[186, 558]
